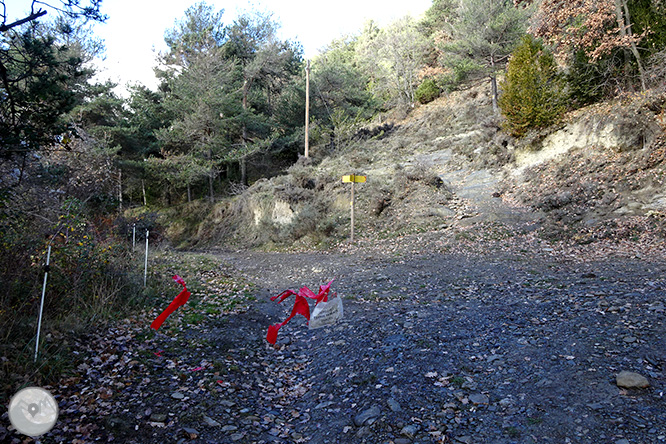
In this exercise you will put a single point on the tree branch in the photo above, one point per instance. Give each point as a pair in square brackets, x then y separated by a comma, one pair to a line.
[29, 18]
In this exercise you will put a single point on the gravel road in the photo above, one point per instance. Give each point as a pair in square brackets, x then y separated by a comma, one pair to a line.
[479, 345]
[442, 341]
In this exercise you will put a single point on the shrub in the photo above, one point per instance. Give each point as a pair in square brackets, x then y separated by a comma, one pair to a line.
[657, 69]
[586, 80]
[92, 276]
[427, 91]
[533, 92]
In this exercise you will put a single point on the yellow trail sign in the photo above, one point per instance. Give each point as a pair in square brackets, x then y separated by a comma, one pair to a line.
[353, 179]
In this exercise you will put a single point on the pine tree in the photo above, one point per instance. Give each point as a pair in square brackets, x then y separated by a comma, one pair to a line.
[483, 34]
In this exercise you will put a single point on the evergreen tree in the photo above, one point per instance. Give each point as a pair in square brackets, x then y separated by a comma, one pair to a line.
[483, 34]
[200, 97]
[342, 98]
[438, 17]
[198, 87]
[42, 75]
[264, 65]
[340, 83]
[587, 80]
[533, 92]
[650, 16]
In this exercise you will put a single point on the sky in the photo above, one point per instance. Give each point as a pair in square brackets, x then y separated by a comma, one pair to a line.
[134, 31]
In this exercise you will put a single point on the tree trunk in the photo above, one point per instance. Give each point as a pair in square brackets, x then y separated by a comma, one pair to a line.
[243, 170]
[189, 193]
[223, 174]
[211, 176]
[120, 190]
[25, 157]
[624, 23]
[143, 189]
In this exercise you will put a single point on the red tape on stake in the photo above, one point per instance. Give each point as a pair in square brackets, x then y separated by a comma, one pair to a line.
[301, 306]
[178, 301]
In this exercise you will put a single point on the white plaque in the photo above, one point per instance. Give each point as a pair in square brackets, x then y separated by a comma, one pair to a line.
[326, 313]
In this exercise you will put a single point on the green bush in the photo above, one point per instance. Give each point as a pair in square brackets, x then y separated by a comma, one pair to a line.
[427, 91]
[533, 91]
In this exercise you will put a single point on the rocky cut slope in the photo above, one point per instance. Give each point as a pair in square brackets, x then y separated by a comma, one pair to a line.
[449, 166]
[601, 174]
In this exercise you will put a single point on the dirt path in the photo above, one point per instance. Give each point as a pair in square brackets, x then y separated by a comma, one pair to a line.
[485, 344]
[498, 348]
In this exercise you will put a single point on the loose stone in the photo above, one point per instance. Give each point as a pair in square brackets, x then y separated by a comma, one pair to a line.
[394, 405]
[479, 398]
[410, 430]
[158, 417]
[627, 379]
[368, 416]
[210, 421]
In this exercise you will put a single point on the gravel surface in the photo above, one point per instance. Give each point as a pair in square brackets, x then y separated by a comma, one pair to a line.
[491, 347]
[513, 341]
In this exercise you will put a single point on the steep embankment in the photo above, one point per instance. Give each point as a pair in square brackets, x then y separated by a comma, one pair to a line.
[602, 174]
[449, 166]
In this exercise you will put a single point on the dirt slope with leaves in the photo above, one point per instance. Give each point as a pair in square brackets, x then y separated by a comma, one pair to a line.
[449, 165]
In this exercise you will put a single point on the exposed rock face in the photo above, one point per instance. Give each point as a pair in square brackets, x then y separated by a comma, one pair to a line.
[282, 213]
[618, 132]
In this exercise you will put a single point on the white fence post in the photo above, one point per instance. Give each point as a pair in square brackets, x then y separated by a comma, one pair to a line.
[41, 305]
[145, 266]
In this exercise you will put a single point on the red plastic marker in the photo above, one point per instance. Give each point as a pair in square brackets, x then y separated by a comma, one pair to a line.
[300, 306]
[178, 301]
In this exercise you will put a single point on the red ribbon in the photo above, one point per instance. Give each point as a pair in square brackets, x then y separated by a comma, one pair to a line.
[178, 301]
[300, 306]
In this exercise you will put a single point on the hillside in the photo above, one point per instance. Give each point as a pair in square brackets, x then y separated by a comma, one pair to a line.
[448, 166]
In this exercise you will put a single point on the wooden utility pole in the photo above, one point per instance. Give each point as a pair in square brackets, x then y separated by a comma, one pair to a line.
[307, 109]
